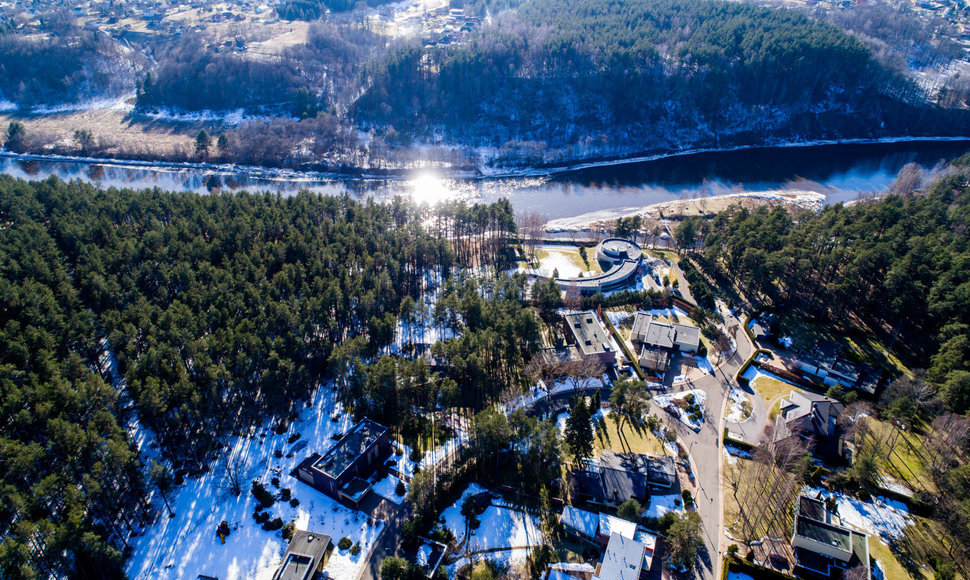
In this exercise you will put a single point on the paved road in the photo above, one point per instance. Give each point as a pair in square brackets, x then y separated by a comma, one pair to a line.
[704, 447]
[751, 430]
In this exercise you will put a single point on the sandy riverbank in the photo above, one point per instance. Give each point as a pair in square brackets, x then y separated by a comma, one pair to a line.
[660, 213]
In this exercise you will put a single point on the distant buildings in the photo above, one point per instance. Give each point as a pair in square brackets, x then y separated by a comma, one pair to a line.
[341, 471]
[305, 556]
[825, 546]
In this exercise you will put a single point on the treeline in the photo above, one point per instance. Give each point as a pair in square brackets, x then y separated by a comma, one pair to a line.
[314, 9]
[192, 76]
[218, 309]
[635, 75]
[62, 68]
[899, 265]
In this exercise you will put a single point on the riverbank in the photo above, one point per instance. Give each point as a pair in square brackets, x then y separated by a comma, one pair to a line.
[658, 215]
[481, 172]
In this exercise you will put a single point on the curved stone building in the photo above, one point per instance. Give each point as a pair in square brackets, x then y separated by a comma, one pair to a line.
[620, 260]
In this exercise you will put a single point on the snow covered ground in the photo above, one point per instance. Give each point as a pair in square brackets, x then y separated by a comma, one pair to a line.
[753, 372]
[668, 402]
[885, 517]
[186, 545]
[500, 527]
[737, 398]
[386, 488]
[661, 504]
[739, 576]
[558, 261]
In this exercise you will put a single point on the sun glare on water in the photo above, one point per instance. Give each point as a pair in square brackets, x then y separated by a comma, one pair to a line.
[430, 189]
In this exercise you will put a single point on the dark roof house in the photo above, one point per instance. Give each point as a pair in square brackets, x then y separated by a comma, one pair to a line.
[616, 477]
[657, 334]
[826, 547]
[340, 471]
[812, 417]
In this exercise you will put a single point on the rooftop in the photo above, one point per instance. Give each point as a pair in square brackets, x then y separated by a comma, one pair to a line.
[354, 444]
[304, 554]
[622, 560]
[648, 330]
[591, 337]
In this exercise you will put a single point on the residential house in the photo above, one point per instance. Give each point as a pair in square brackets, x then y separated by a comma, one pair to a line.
[650, 333]
[616, 477]
[592, 340]
[341, 471]
[825, 546]
[305, 556]
[813, 418]
[624, 559]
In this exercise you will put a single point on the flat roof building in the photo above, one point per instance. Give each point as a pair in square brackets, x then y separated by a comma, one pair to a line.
[305, 556]
[339, 472]
[824, 545]
[620, 259]
[623, 559]
[591, 338]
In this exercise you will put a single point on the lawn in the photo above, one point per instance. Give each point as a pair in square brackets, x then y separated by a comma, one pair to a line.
[890, 566]
[630, 440]
[905, 462]
[770, 389]
[555, 255]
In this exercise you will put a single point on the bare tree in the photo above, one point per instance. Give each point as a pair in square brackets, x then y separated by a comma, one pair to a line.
[233, 478]
[531, 230]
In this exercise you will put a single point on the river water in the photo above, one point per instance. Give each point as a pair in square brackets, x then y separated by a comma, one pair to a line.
[842, 172]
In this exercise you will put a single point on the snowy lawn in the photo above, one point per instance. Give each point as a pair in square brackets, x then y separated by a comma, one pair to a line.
[736, 412]
[661, 504]
[738, 576]
[387, 487]
[186, 546]
[671, 404]
[882, 516]
[499, 527]
[555, 260]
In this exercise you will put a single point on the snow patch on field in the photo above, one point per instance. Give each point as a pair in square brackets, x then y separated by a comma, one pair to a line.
[386, 488]
[6, 106]
[668, 402]
[186, 545]
[737, 399]
[885, 517]
[753, 372]
[557, 261]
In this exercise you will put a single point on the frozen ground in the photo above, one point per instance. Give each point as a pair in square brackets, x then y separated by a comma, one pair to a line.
[556, 260]
[736, 398]
[752, 373]
[499, 527]
[186, 546]
[738, 576]
[386, 489]
[885, 517]
[661, 504]
[667, 402]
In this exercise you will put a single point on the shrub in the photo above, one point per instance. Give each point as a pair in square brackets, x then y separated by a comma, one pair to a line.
[285, 494]
[281, 427]
[288, 531]
[690, 398]
[294, 502]
[442, 534]
[264, 497]
[273, 525]
[261, 517]
[415, 455]
[732, 551]
[629, 510]
[399, 489]
[344, 543]
[355, 549]
[293, 438]
[688, 498]
[275, 481]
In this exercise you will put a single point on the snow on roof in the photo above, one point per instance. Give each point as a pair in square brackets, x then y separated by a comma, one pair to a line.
[622, 560]
[612, 524]
[582, 521]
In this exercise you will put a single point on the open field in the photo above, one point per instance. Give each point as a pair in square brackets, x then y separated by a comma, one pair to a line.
[890, 565]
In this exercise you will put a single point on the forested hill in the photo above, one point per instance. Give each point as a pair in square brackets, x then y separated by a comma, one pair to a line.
[220, 311]
[638, 75]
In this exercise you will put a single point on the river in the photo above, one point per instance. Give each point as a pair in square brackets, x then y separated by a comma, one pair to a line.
[842, 173]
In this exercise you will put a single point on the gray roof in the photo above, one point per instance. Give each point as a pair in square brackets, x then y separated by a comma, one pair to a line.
[354, 444]
[655, 360]
[660, 470]
[591, 337]
[623, 559]
[808, 414]
[661, 334]
[304, 554]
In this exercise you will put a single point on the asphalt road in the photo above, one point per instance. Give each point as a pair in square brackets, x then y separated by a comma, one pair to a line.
[704, 448]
